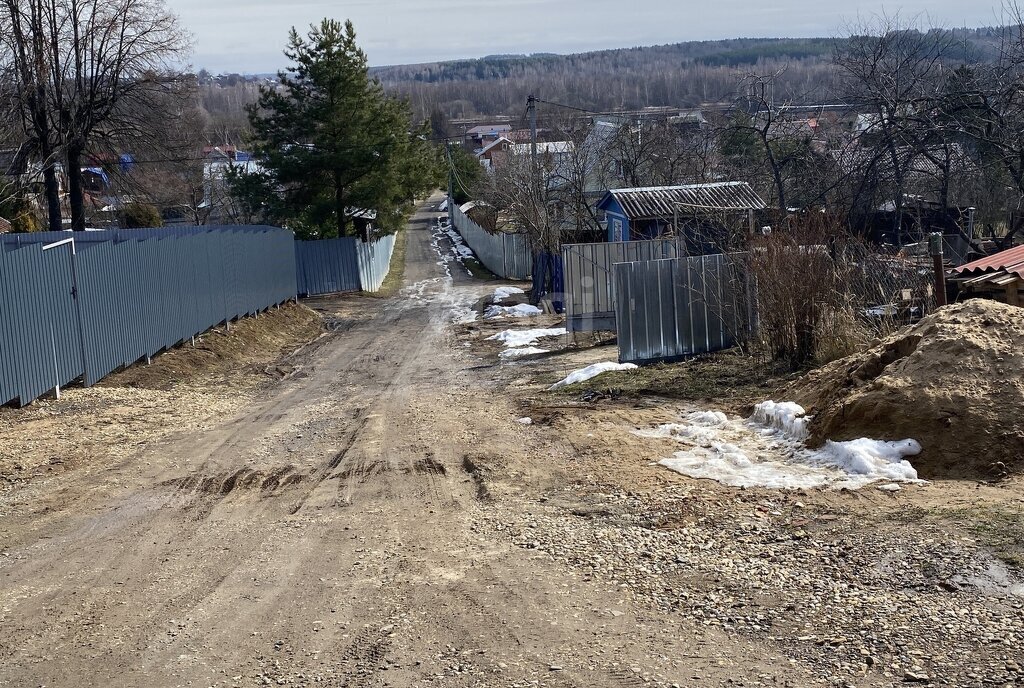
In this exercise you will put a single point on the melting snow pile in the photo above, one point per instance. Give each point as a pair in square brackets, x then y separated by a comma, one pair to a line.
[589, 372]
[522, 310]
[789, 418]
[513, 338]
[458, 244]
[520, 352]
[768, 450]
[502, 293]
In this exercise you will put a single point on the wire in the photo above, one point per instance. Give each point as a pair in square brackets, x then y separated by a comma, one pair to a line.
[455, 172]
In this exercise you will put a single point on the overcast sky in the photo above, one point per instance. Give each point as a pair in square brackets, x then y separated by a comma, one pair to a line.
[248, 35]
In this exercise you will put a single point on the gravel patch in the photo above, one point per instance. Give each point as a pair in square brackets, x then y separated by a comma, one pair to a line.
[852, 600]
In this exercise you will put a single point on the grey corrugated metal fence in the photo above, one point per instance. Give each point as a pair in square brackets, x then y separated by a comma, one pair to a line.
[375, 261]
[506, 255]
[328, 266]
[74, 309]
[589, 283]
[670, 309]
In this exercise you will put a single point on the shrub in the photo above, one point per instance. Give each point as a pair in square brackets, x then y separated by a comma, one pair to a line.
[140, 215]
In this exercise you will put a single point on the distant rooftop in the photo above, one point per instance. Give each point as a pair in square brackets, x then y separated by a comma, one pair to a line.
[490, 129]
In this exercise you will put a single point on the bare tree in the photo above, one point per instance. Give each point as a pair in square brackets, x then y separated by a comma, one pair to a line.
[111, 60]
[894, 73]
[86, 69]
[23, 33]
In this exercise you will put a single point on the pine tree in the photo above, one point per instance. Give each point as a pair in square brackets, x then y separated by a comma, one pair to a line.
[330, 141]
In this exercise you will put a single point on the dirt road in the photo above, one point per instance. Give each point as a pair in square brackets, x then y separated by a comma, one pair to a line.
[327, 535]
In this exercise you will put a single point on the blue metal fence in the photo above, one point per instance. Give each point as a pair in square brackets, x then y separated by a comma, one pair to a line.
[85, 304]
[328, 266]
[83, 307]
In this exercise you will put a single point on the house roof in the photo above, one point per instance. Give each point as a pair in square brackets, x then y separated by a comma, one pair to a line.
[496, 142]
[5, 226]
[1001, 268]
[490, 129]
[659, 201]
[361, 213]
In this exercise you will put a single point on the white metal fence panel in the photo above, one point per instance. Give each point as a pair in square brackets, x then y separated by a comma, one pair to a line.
[375, 262]
[506, 255]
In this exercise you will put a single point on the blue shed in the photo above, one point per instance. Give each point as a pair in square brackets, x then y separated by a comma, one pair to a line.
[650, 212]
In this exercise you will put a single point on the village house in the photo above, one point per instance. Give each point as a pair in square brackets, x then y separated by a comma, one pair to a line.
[697, 212]
[481, 135]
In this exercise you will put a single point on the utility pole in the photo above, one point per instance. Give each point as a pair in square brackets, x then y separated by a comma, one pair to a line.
[451, 176]
[935, 248]
[539, 280]
[531, 107]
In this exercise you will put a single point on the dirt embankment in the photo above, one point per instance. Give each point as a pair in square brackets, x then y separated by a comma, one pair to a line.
[250, 344]
[186, 388]
[954, 382]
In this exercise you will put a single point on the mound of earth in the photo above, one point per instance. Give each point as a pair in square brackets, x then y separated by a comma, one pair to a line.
[954, 382]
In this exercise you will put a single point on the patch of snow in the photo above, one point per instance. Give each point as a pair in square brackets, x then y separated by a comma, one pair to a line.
[708, 418]
[787, 417]
[522, 310]
[589, 372]
[502, 293]
[700, 426]
[729, 465]
[768, 450]
[513, 338]
[890, 487]
[877, 458]
[525, 421]
[460, 315]
[520, 352]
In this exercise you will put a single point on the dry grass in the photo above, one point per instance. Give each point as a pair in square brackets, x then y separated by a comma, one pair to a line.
[396, 272]
[729, 379]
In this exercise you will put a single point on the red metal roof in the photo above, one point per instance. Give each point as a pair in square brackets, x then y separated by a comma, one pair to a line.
[1010, 261]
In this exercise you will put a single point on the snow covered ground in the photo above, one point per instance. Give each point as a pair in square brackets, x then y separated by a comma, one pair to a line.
[520, 343]
[516, 338]
[521, 310]
[502, 293]
[589, 372]
[768, 450]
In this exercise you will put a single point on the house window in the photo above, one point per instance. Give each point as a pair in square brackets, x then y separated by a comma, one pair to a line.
[616, 230]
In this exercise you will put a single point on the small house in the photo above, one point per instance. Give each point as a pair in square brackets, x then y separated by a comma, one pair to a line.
[481, 135]
[493, 154]
[668, 211]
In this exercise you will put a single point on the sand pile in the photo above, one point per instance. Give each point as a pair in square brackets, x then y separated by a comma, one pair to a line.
[954, 382]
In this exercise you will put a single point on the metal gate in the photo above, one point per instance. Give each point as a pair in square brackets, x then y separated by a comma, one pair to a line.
[590, 284]
[671, 309]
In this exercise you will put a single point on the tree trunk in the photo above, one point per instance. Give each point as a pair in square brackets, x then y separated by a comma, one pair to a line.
[339, 205]
[52, 189]
[76, 195]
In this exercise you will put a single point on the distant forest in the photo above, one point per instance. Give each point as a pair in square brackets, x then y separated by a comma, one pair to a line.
[678, 75]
